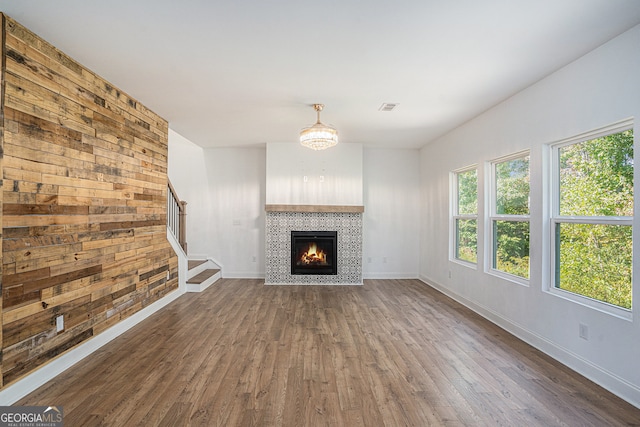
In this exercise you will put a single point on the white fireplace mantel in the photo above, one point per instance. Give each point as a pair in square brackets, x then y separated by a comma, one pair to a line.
[315, 208]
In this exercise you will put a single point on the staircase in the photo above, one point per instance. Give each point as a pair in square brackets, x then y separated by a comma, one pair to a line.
[201, 274]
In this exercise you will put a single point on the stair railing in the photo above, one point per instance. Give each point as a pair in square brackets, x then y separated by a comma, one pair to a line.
[177, 216]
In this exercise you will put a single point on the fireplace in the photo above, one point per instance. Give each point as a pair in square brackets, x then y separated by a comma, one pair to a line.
[281, 220]
[314, 252]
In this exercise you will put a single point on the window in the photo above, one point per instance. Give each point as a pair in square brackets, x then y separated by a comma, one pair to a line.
[592, 215]
[509, 215]
[465, 215]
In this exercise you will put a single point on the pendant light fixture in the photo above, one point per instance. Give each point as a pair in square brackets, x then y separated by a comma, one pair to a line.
[318, 136]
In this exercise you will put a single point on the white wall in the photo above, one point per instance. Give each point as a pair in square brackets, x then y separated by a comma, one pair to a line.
[224, 190]
[601, 88]
[297, 175]
[236, 180]
[391, 221]
[187, 172]
[226, 193]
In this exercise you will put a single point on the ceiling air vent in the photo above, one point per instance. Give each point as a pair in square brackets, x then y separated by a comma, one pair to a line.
[387, 106]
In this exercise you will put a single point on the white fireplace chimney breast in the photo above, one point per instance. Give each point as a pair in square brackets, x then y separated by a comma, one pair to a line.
[299, 176]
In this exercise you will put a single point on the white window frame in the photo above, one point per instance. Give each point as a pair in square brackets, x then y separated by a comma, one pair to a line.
[455, 216]
[555, 218]
[494, 216]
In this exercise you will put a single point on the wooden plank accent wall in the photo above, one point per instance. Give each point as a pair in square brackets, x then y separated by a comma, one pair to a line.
[84, 192]
[2, 66]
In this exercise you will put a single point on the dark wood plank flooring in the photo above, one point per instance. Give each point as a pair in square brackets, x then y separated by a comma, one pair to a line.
[391, 352]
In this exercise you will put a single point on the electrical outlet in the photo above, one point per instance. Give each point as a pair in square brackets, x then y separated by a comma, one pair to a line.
[449, 274]
[584, 331]
[168, 276]
[59, 323]
[254, 259]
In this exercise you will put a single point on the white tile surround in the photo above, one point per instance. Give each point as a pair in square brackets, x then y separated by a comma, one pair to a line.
[278, 246]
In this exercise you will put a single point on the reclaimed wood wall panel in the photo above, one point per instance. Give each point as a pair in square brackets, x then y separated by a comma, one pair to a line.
[84, 190]
[2, 162]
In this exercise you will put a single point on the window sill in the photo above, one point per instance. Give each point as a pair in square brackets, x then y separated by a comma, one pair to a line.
[509, 277]
[603, 307]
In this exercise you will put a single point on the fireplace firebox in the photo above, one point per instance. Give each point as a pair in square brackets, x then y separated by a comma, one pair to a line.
[314, 252]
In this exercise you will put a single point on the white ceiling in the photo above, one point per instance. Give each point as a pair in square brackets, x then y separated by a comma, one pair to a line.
[242, 73]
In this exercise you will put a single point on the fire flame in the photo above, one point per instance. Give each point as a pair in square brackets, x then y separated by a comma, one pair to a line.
[313, 256]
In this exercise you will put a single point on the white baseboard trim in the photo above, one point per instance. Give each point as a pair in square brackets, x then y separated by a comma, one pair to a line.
[389, 276]
[611, 382]
[16, 391]
[243, 275]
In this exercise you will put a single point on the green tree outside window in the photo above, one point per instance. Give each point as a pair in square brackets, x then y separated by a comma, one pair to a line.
[510, 219]
[466, 223]
[593, 233]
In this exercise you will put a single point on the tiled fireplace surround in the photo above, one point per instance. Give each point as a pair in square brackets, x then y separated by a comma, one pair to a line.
[282, 219]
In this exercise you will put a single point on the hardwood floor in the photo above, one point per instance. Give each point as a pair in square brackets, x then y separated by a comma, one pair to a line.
[391, 352]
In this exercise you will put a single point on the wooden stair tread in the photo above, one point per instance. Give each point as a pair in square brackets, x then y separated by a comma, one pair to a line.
[191, 264]
[204, 275]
